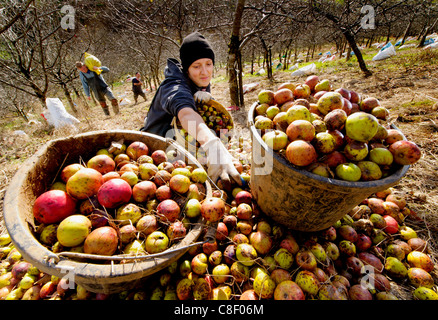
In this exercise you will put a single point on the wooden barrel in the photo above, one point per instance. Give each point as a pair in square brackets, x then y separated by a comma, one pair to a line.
[36, 176]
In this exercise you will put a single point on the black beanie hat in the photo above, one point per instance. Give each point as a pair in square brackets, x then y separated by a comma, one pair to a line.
[194, 47]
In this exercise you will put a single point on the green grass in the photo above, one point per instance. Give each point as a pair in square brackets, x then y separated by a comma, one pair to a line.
[418, 104]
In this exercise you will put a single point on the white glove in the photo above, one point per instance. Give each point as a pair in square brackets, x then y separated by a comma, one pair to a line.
[202, 97]
[220, 162]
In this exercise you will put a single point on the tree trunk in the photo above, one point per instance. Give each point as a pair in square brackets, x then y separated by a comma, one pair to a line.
[352, 42]
[68, 97]
[233, 57]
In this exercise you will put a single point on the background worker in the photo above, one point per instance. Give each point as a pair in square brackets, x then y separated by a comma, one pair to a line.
[95, 82]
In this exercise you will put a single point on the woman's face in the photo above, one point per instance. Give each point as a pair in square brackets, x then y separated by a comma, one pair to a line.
[201, 71]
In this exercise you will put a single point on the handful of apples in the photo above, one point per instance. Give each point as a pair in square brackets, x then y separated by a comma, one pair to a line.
[332, 133]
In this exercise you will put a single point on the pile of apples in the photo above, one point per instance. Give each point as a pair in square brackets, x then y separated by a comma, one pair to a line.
[214, 118]
[364, 256]
[123, 200]
[334, 133]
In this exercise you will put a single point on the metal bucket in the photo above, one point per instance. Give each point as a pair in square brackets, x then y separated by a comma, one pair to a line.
[299, 199]
[37, 174]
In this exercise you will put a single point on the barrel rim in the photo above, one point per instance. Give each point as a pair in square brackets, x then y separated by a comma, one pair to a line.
[390, 180]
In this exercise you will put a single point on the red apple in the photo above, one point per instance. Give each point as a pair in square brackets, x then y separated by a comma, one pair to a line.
[114, 192]
[53, 206]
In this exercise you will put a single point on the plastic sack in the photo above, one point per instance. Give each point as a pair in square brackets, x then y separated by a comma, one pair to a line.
[385, 53]
[91, 61]
[56, 115]
[307, 70]
[250, 87]
[386, 46]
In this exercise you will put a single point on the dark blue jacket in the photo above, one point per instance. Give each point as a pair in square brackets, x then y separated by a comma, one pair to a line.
[174, 93]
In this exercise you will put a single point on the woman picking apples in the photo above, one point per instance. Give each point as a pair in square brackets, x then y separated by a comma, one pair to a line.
[186, 83]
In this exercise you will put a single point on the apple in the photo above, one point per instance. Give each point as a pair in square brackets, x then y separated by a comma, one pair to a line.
[264, 286]
[221, 273]
[156, 242]
[395, 268]
[102, 163]
[319, 125]
[394, 135]
[301, 91]
[319, 252]
[300, 130]
[243, 197]
[128, 167]
[348, 171]
[417, 259]
[179, 183]
[147, 170]
[168, 210]
[69, 170]
[280, 275]
[306, 260]
[261, 108]
[324, 142]
[370, 170]
[73, 230]
[347, 232]
[280, 121]
[363, 242]
[102, 241]
[320, 169]
[193, 208]
[137, 149]
[298, 112]
[84, 183]
[380, 112]
[344, 92]
[213, 209]
[130, 177]
[368, 104]
[359, 292]
[275, 139]
[263, 123]
[261, 241]
[199, 175]
[381, 156]
[53, 206]
[288, 290]
[285, 106]
[199, 263]
[312, 81]
[405, 152]
[246, 254]
[114, 192]
[110, 175]
[272, 111]
[354, 97]
[329, 101]
[420, 278]
[331, 250]
[143, 191]
[176, 230]
[146, 225]
[361, 126]
[290, 244]
[334, 158]
[287, 85]
[162, 177]
[301, 153]
[282, 95]
[323, 85]
[356, 150]
[335, 119]
[347, 248]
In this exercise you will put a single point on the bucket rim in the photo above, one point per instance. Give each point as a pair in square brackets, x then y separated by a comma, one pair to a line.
[390, 180]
